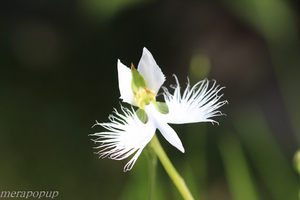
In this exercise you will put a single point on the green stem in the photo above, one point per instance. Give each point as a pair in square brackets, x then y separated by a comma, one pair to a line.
[176, 178]
[152, 159]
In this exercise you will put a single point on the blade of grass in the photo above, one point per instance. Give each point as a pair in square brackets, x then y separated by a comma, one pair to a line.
[273, 167]
[236, 169]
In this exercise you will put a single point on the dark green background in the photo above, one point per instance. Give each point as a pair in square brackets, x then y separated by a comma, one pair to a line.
[58, 74]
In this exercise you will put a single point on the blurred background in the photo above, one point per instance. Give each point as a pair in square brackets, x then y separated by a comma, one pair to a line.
[58, 75]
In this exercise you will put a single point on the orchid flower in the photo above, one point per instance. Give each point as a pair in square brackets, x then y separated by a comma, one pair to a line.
[130, 130]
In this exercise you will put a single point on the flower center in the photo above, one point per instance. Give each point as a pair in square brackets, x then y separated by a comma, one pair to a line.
[144, 97]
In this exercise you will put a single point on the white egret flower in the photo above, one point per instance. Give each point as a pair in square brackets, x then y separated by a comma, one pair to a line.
[129, 131]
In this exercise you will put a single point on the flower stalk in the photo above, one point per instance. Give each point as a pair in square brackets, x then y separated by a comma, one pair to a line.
[152, 160]
[176, 178]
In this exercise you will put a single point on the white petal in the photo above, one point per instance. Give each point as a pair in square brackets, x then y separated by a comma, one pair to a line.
[126, 136]
[197, 104]
[125, 78]
[159, 121]
[150, 71]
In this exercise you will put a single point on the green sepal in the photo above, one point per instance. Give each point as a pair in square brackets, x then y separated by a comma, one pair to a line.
[137, 80]
[162, 107]
[142, 115]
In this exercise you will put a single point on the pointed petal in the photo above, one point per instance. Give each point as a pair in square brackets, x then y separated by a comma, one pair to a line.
[125, 78]
[197, 104]
[150, 71]
[159, 121]
[126, 135]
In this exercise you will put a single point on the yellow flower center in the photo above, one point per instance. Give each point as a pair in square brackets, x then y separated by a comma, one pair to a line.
[144, 97]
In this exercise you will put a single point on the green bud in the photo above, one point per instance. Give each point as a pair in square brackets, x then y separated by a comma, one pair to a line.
[162, 107]
[137, 80]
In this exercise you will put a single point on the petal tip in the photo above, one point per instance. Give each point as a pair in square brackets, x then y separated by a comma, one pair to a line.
[119, 62]
[145, 49]
[181, 149]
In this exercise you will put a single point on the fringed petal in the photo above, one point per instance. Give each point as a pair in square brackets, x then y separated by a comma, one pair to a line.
[126, 136]
[196, 104]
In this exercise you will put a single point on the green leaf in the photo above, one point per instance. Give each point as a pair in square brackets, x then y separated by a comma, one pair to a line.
[137, 80]
[142, 115]
[162, 107]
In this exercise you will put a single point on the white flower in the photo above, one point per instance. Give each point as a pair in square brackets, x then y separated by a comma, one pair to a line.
[127, 135]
